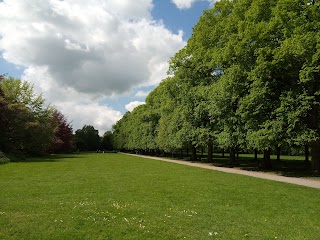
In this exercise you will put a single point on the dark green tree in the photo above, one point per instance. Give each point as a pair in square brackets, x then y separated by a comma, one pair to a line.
[28, 121]
[3, 119]
[87, 138]
[107, 141]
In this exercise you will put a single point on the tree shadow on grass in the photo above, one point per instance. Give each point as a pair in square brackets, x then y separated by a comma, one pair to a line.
[287, 166]
[47, 158]
[284, 167]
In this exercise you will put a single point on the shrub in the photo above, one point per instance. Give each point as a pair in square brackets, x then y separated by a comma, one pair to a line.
[3, 158]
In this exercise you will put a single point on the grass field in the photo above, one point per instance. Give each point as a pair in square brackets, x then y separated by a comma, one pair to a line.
[114, 196]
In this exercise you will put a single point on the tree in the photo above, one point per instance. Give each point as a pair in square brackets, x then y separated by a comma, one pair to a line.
[120, 132]
[62, 135]
[107, 141]
[28, 121]
[282, 107]
[248, 78]
[165, 100]
[214, 81]
[3, 120]
[87, 138]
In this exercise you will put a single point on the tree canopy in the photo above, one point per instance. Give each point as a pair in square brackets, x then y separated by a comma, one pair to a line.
[87, 138]
[27, 124]
[247, 79]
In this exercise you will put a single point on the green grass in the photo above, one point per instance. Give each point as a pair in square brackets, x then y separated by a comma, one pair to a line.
[113, 196]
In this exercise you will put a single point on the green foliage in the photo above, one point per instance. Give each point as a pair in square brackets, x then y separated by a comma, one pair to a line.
[27, 125]
[248, 78]
[3, 158]
[87, 138]
[107, 141]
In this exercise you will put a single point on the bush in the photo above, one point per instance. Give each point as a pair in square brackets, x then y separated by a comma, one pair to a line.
[3, 158]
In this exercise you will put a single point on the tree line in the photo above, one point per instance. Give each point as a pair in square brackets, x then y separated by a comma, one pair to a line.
[248, 79]
[30, 127]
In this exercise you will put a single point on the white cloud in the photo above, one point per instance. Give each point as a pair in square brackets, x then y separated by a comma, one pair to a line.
[79, 108]
[186, 4]
[92, 46]
[100, 116]
[132, 105]
[76, 49]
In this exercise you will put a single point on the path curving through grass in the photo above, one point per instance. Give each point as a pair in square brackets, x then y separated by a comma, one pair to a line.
[269, 176]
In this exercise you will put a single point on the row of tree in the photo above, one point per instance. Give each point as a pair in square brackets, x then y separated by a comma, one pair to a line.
[27, 125]
[249, 78]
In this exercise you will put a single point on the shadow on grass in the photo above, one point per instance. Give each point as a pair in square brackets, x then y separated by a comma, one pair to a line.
[285, 167]
[288, 168]
[47, 158]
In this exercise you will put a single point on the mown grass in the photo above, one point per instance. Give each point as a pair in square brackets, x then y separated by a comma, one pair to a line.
[114, 196]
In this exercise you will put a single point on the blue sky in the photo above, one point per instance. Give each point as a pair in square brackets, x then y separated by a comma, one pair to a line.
[176, 19]
[94, 62]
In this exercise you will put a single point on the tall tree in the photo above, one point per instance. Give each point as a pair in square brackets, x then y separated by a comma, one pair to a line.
[213, 54]
[62, 135]
[87, 138]
[120, 132]
[3, 120]
[29, 129]
[107, 141]
[282, 105]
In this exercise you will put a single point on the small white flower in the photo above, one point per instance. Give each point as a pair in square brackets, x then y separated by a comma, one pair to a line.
[212, 233]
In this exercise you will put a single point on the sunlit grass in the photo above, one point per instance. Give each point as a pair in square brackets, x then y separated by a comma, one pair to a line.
[113, 196]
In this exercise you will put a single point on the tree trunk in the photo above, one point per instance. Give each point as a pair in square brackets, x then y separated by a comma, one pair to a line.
[201, 152]
[232, 159]
[315, 155]
[194, 154]
[237, 153]
[278, 153]
[306, 153]
[181, 153]
[256, 155]
[266, 159]
[313, 123]
[187, 151]
[210, 151]
[223, 152]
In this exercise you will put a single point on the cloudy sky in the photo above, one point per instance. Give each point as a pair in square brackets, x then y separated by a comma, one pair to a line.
[94, 59]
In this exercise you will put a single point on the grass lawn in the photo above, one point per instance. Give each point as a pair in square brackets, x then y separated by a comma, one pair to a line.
[114, 196]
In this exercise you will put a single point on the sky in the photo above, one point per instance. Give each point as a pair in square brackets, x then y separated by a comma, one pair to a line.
[94, 59]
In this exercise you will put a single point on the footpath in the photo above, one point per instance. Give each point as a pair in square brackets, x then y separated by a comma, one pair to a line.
[293, 180]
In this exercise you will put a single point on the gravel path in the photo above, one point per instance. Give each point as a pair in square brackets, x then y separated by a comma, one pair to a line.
[298, 181]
